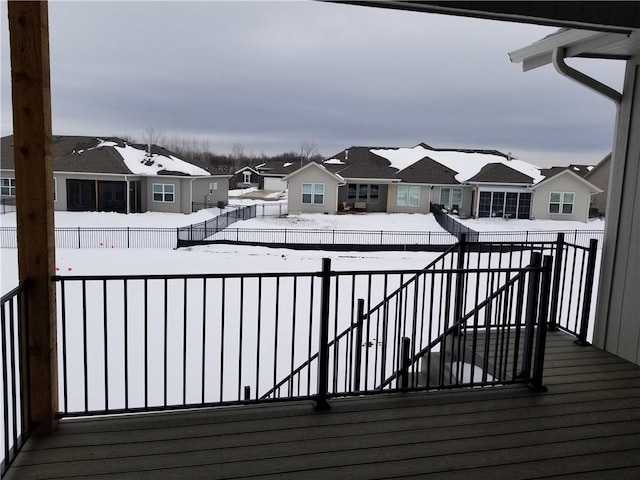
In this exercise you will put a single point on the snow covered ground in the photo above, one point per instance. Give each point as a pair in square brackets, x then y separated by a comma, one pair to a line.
[230, 343]
[503, 225]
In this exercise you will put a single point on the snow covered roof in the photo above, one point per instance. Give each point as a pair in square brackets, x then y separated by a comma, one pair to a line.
[141, 163]
[467, 163]
[108, 155]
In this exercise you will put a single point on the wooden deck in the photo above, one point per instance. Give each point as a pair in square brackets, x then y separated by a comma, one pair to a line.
[587, 426]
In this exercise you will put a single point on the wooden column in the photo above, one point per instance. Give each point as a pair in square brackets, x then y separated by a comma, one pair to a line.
[31, 95]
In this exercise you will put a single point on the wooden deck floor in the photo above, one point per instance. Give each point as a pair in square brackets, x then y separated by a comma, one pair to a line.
[587, 426]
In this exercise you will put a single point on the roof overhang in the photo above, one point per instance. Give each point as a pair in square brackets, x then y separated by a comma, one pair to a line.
[578, 43]
[591, 186]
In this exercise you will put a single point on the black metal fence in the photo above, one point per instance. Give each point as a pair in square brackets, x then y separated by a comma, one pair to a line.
[13, 365]
[451, 225]
[196, 233]
[7, 204]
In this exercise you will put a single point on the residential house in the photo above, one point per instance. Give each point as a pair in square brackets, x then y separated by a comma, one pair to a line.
[246, 177]
[109, 174]
[313, 189]
[478, 183]
[599, 176]
[273, 172]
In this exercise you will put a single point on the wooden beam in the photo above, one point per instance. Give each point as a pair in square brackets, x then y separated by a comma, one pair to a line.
[31, 95]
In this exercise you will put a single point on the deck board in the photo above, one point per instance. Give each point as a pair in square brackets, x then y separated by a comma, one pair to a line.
[586, 426]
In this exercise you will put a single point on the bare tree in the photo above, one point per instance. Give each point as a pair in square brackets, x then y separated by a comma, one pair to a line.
[308, 150]
[237, 151]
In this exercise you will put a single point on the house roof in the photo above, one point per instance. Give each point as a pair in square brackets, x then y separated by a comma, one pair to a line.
[427, 170]
[604, 163]
[499, 173]
[322, 168]
[107, 155]
[566, 171]
[581, 170]
[362, 163]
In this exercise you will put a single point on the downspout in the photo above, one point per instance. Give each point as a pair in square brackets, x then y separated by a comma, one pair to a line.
[191, 195]
[584, 80]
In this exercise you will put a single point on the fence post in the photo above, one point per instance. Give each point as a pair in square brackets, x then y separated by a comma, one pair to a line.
[541, 339]
[320, 403]
[553, 312]
[530, 313]
[358, 346]
[79, 239]
[405, 361]
[128, 238]
[588, 290]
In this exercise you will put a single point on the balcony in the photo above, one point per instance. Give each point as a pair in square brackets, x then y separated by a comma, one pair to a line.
[586, 426]
[433, 371]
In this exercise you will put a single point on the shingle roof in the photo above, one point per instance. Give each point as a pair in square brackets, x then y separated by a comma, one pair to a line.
[580, 170]
[86, 155]
[360, 162]
[428, 170]
[499, 173]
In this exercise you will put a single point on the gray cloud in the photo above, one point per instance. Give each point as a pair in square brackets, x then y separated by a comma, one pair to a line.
[272, 75]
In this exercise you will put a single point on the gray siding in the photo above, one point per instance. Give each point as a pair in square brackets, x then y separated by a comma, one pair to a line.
[211, 190]
[170, 207]
[467, 192]
[562, 183]
[599, 176]
[313, 175]
[426, 197]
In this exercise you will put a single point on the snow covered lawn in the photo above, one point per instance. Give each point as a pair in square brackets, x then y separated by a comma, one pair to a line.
[516, 225]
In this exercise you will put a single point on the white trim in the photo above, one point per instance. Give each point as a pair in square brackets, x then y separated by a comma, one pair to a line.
[153, 193]
[561, 203]
[313, 193]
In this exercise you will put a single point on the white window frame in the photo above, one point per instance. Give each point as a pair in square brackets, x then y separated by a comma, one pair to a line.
[164, 192]
[405, 194]
[313, 187]
[246, 176]
[8, 184]
[450, 190]
[562, 202]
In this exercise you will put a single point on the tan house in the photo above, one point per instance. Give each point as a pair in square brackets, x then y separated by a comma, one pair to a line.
[112, 175]
[466, 182]
[313, 189]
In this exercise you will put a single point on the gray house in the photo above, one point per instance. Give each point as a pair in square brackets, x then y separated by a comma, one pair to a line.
[109, 174]
[477, 183]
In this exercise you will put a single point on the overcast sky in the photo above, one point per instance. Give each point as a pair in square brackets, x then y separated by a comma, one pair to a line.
[272, 75]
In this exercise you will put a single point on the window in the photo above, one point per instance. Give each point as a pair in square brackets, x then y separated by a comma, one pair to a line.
[313, 193]
[163, 192]
[247, 176]
[213, 186]
[357, 192]
[7, 186]
[505, 204]
[451, 197]
[408, 196]
[561, 202]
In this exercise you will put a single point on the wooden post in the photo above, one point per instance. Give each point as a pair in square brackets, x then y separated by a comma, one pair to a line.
[31, 95]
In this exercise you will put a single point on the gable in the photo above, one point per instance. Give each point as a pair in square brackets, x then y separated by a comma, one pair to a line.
[499, 173]
[428, 171]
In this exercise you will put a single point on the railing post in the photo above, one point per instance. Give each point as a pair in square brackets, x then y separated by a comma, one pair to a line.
[405, 361]
[459, 295]
[557, 271]
[530, 313]
[588, 290]
[320, 403]
[79, 239]
[358, 346]
[128, 238]
[541, 339]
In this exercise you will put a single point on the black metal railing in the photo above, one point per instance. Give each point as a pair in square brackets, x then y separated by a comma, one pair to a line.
[198, 232]
[141, 343]
[14, 393]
